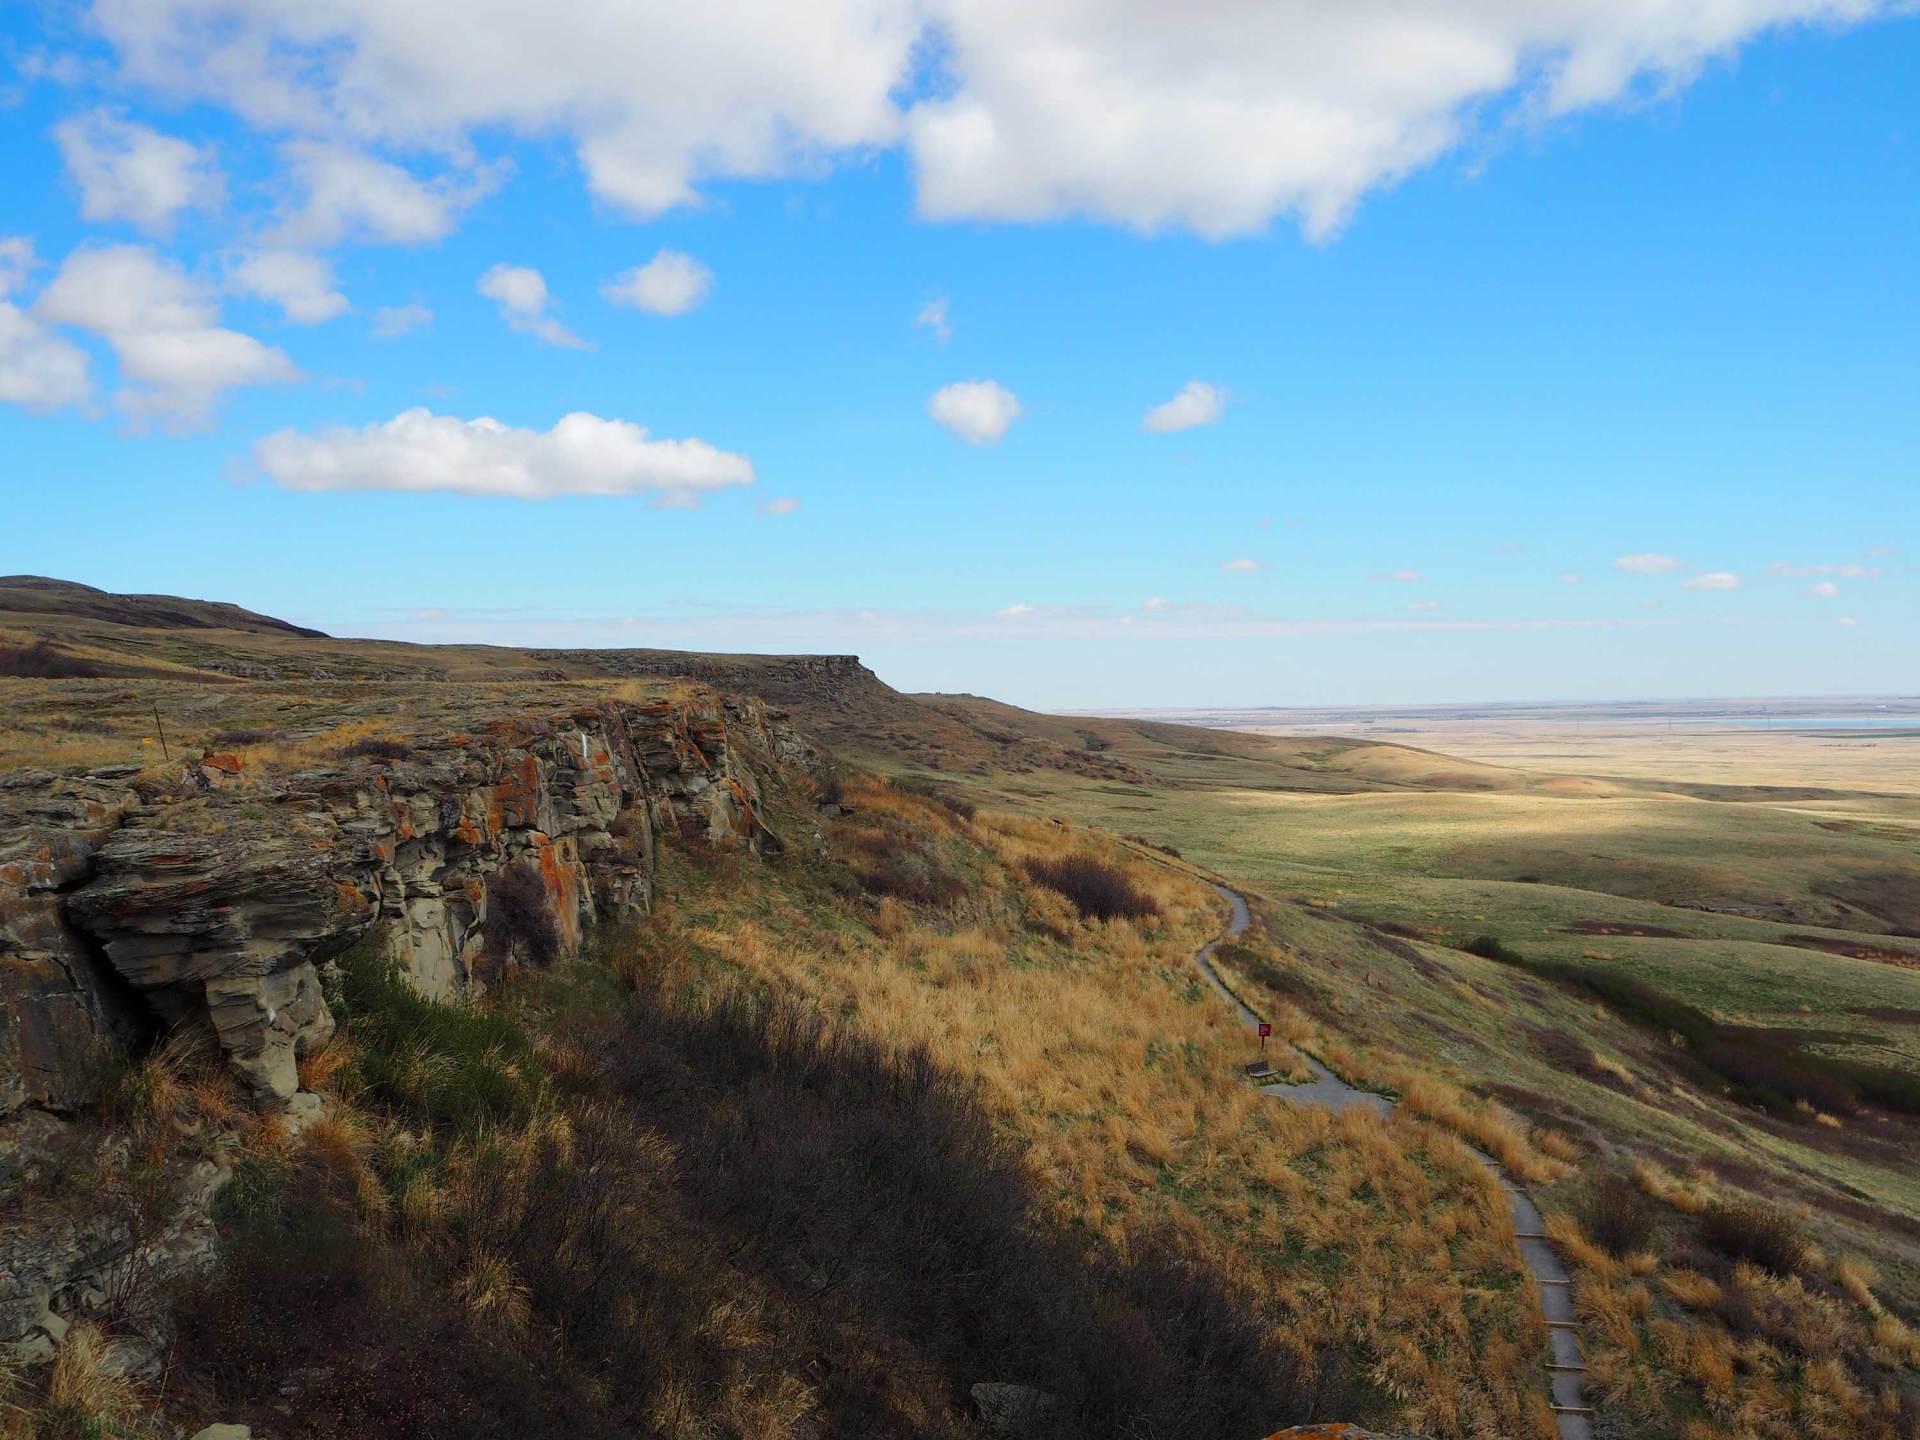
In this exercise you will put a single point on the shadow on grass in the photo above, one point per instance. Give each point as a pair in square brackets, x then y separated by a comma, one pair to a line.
[724, 1216]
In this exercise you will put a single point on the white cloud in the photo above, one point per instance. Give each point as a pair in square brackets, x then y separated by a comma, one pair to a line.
[1198, 403]
[1216, 117]
[655, 100]
[1571, 577]
[1423, 605]
[671, 283]
[129, 172]
[17, 262]
[346, 194]
[933, 316]
[1245, 565]
[1403, 576]
[1823, 590]
[1014, 612]
[1156, 604]
[165, 331]
[978, 411]
[39, 368]
[392, 321]
[1646, 563]
[1847, 620]
[301, 284]
[780, 505]
[1846, 572]
[1713, 580]
[581, 455]
[521, 294]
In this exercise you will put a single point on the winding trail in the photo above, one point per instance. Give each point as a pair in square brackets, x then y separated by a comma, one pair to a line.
[1566, 1362]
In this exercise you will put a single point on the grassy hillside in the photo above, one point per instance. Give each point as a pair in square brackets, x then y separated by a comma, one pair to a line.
[836, 1136]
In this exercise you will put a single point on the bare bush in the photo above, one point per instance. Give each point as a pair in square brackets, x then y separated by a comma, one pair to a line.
[1098, 890]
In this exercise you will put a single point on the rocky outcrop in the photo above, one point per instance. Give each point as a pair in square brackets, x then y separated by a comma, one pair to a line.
[58, 1004]
[222, 897]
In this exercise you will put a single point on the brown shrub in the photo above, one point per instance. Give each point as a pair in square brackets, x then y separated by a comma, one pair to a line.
[1098, 890]
[519, 916]
[1621, 1216]
[375, 747]
[1750, 1230]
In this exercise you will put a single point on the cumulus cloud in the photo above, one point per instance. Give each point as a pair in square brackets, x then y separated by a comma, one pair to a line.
[347, 194]
[933, 316]
[1198, 403]
[1424, 605]
[129, 172]
[671, 283]
[654, 101]
[1823, 590]
[1245, 565]
[780, 505]
[392, 321]
[17, 262]
[39, 368]
[1647, 563]
[978, 411]
[1156, 604]
[301, 284]
[164, 328]
[581, 455]
[521, 293]
[1217, 118]
[1713, 580]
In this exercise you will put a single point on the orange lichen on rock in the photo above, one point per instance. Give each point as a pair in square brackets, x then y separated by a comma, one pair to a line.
[226, 762]
[516, 799]
[563, 890]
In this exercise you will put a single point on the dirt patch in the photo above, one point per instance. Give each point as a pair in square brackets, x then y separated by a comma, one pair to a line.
[1638, 932]
[1854, 950]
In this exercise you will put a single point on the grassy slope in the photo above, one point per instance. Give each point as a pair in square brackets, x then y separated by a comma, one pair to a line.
[1339, 834]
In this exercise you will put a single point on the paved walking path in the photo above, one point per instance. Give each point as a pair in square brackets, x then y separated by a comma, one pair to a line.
[1567, 1366]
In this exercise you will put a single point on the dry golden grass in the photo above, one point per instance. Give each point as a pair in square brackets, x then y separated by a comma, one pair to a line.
[1766, 1357]
[78, 1397]
[1119, 1073]
[1689, 1195]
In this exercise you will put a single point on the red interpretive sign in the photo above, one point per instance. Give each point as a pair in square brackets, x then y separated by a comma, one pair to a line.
[1265, 1029]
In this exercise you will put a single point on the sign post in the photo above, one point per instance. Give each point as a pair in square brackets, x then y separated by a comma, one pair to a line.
[1265, 1030]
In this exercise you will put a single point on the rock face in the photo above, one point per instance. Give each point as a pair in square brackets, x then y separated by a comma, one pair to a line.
[58, 1003]
[222, 899]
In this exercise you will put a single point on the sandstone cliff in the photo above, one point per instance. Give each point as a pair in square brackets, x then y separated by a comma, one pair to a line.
[212, 893]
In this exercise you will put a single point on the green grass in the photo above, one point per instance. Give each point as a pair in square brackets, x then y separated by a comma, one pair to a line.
[458, 1066]
[1535, 869]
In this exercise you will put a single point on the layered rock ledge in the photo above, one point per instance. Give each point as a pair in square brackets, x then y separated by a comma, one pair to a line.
[217, 896]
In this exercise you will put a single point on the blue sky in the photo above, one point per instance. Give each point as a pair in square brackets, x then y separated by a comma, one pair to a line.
[1650, 298]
